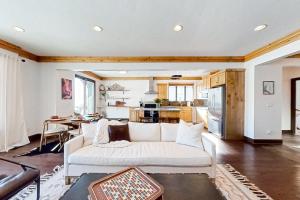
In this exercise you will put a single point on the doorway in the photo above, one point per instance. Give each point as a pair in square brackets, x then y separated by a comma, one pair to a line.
[295, 106]
[84, 95]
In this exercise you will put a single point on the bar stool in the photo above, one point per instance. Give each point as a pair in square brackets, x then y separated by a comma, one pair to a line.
[173, 119]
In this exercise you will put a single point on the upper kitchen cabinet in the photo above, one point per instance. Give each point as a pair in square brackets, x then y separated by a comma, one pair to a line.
[205, 82]
[217, 79]
[162, 89]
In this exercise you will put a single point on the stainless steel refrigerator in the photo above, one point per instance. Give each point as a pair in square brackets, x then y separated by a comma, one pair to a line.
[216, 111]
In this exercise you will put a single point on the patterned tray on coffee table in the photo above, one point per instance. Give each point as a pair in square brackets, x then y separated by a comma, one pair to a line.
[131, 183]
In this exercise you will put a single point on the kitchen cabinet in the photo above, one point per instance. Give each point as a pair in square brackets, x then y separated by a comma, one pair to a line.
[186, 114]
[235, 104]
[205, 82]
[217, 79]
[162, 89]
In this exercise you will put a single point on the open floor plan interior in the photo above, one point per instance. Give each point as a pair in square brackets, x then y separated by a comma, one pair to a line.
[191, 100]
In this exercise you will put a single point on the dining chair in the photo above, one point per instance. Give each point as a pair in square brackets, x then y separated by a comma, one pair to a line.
[53, 132]
[74, 132]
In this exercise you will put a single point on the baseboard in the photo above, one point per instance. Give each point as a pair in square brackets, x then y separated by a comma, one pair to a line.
[262, 141]
[287, 132]
[34, 137]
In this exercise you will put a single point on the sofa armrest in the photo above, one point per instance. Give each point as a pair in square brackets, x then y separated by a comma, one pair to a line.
[70, 147]
[210, 148]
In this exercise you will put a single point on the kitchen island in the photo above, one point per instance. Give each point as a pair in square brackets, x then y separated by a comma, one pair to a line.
[165, 113]
[163, 108]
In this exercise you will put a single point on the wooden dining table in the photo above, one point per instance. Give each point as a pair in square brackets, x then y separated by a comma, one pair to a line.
[71, 124]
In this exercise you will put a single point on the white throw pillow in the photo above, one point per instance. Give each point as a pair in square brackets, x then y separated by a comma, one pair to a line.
[101, 136]
[190, 134]
[141, 132]
[88, 132]
[169, 132]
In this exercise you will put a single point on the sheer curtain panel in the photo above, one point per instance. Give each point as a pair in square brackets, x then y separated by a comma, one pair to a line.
[12, 123]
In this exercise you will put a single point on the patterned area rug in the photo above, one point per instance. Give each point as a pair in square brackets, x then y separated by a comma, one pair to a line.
[230, 182]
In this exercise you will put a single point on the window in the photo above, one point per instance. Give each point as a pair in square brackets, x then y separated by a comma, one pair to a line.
[84, 95]
[181, 93]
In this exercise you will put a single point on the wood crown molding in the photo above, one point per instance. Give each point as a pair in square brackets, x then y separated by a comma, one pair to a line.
[141, 59]
[294, 56]
[91, 74]
[155, 59]
[274, 45]
[16, 49]
[148, 78]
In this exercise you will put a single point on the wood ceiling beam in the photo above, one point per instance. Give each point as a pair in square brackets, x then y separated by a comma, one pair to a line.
[148, 78]
[92, 74]
[16, 49]
[182, 78]
[141, 59]
[273, 45]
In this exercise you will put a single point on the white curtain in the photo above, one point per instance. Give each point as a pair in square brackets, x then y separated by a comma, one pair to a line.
[12, 123]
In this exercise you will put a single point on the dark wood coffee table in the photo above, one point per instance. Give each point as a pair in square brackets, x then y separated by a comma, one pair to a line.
[176, 187]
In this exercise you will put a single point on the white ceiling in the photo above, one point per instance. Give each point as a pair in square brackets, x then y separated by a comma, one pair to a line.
[151, 73]
[145, 27]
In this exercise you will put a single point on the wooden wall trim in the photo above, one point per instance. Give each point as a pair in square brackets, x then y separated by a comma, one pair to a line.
[142, 59]
[91, 74]
[182, 78]
[262, 141]
[274, 45]
[287, 132]
[148, 78]
[16, 49]
[294, 56]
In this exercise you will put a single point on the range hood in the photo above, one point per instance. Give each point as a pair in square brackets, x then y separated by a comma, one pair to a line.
[151, 87]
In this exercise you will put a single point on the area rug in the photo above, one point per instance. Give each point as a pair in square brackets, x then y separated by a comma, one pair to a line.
[46, 149]
[230, 182]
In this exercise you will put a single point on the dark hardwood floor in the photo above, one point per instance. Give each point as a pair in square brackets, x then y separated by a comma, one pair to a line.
[273, 168]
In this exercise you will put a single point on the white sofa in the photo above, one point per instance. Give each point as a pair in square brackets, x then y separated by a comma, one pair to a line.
[152, 148]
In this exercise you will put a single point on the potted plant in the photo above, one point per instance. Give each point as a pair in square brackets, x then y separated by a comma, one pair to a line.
[157, 100]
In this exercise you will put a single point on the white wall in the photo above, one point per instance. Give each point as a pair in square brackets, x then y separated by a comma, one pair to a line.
[249, 102]
[267, 112]
[42, 94]
[288, 74]
[251, 87]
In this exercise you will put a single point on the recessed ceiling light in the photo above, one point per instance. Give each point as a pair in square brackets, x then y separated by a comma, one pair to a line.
[18, 29]
[261, 27]
[98, 28]
[123, 72]
[178, 28]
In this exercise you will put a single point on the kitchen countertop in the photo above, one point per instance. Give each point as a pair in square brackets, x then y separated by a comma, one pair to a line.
[171, 109]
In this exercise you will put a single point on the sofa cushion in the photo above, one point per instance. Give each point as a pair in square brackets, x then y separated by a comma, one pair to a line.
[168, 132]
[88, 132]
[190, 134]
[102, 136]
[118, 132]
[142, 154]
[144, 131]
